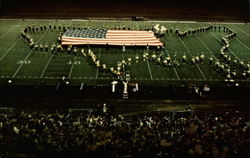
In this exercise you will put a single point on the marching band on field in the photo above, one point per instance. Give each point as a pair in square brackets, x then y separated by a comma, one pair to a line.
[231, 67]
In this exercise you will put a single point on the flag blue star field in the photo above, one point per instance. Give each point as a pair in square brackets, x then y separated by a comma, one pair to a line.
[110, 37]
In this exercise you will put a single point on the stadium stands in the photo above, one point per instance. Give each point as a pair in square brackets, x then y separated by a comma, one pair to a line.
[153, 135]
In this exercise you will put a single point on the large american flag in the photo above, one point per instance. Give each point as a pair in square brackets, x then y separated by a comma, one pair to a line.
[110, 37]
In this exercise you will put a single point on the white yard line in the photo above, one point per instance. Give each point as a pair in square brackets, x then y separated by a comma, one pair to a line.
[149, 70]
[204, 77]
[26, 58]
[9, 31]
[5, 33]
[206, 46]
[46, 66]
[242, 43]
[7, 51]
[178, 77]
[176, 73]
[21, 64]
[239, 42]
[71, 68]
[228, 48]
[241, 30]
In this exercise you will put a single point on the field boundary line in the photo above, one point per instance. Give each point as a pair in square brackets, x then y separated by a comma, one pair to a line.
[45, 68]
[115, 20]
[110, 78]
[218, 22]
[191, 56]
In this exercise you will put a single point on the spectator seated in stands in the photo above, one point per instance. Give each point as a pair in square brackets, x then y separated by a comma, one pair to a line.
[165, 134]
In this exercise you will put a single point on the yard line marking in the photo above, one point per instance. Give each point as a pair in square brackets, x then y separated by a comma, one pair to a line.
[9, 49]
[242, 43]
[71, 68]
[21, 65]
[99, 55]
[228, 48]
[26, 58]
[206, 46]
[204, 77]
[5, 33]
[46, 66]
[177, 75]
[241, 30]
[149, 70]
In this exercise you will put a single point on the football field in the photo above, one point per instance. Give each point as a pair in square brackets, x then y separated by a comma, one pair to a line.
[24, 66]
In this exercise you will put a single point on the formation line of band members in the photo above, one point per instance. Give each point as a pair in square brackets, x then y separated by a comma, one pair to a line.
[232, 68]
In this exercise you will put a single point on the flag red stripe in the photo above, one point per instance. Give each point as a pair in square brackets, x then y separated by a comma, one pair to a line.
[99, 39]
[111, 42]
[117, 37]
[116, 44]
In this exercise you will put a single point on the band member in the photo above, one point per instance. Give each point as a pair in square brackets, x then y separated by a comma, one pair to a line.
[41, 47]
[184, 58]
[46, 47]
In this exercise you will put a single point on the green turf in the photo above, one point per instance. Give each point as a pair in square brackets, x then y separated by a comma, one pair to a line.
[24, 66]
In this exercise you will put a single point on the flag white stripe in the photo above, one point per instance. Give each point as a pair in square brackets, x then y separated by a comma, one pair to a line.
[116, 37]
[132, 43]
[99, 39]
[130, 31]
[116, 44]
[146, 41]
[109, 36]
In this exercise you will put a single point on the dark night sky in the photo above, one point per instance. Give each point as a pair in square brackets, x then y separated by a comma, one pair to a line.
[126, 8]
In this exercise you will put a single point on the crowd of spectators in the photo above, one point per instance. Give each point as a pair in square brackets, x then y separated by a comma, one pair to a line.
[152, 135]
